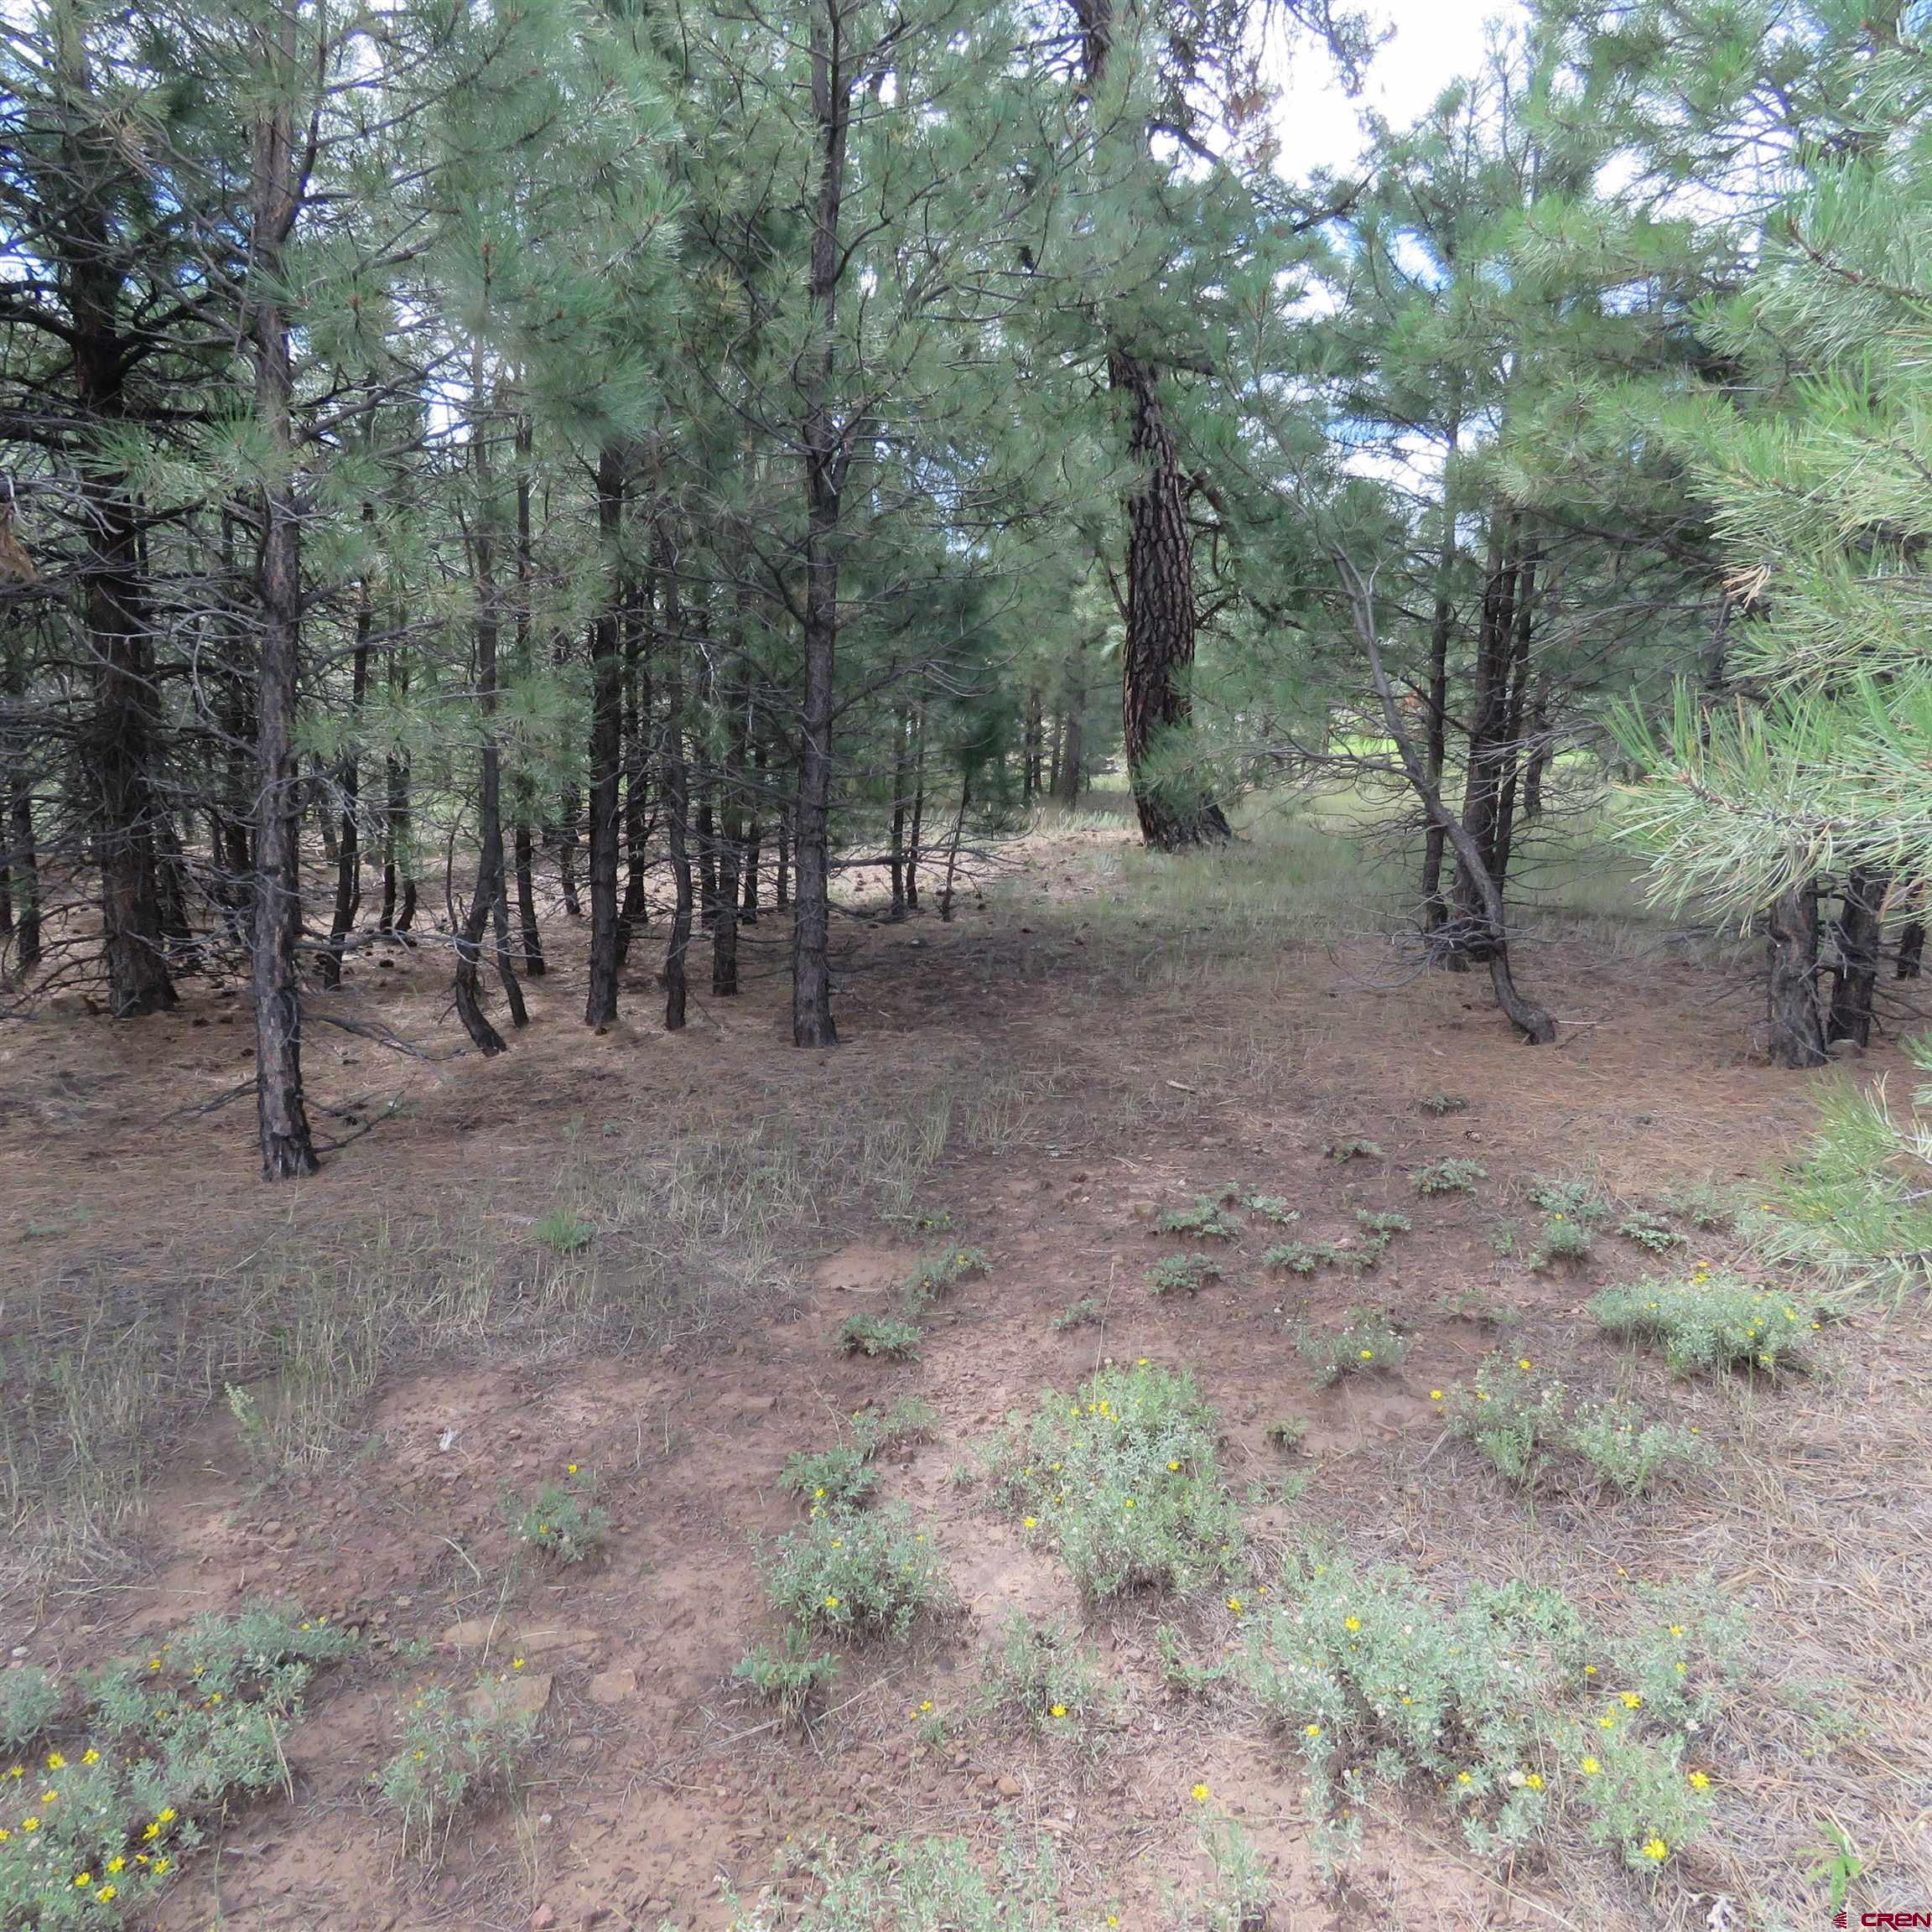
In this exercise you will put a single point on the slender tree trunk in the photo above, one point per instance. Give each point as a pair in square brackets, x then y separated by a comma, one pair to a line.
[901, 779]
[606, 751]
[287, 1148]
[486, 902]
[528, 954]
[1911, 950]
[1072, 748]
[782, 873]
[349, 783]
[1796, 1037]
[530, 935]
[952, 850]
[706, 843]
[916, 831]
[22, 858]
[1482, 780]
[1435, 743]
[754, 835]
[634, 915]
[1861, 938]
[568, 807]
[677, 784]
[825, 458]
[1513, 713]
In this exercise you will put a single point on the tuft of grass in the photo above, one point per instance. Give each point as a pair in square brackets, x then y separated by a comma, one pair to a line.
[1183, 1274]
[1286, 1433]
[922, 1885]
[1123, 1479]
[563, 1233]
[843, 1574]
[452, 1752]
[1713, 1321]
[1568, 1200]
[905, 1419]
[1563, 1240]
[1453, 1176]
[876, 1335]
[1366, 1345]
[1088, 1312]
[1440, 1104]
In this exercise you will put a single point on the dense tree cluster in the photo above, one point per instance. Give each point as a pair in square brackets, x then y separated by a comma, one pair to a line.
[642, 460]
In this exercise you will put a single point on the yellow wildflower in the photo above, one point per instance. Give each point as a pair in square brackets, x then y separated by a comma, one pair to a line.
[1201, 1793]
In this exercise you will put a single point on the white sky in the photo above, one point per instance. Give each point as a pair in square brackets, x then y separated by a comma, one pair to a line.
[1435, 41]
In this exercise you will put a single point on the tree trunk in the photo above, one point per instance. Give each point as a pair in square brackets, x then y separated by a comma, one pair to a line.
[606, 752]
[348, 784]
[902, 779]
[754, 834]
[1861, 938]
[568, 804]
[677, 784]
[22, 857]
[916, 831]
[287, 1149]
[1488, 741]
[634, 915]
[1156, 709]
[487, 901]
[707, 844]
[1072, 748]
[1911, 950]
[1795, 1037]
[825, 458]
[530, 936]
[952, 850]
[782, 873]
[1435, 745]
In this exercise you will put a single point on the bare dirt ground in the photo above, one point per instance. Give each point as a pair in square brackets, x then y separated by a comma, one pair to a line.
[1048, 1072]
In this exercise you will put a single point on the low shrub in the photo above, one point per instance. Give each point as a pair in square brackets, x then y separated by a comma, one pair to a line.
[1713, 1322]
[452, 1751]
[845, 1574]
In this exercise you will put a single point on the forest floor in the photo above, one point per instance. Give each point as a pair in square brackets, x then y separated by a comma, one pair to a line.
[631, 1252]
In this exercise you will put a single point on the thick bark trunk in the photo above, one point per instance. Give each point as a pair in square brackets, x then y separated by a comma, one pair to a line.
[287, 1149]
[1860, 937]
[606, 752]
[1488, 712]
[1174, 813]
[1072, 748]
[1795, 1037]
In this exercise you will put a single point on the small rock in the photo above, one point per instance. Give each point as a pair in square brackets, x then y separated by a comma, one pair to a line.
[543, 1915]
[1008, 1786]
[272, 1527]
[612, 1686]
[522, 1696]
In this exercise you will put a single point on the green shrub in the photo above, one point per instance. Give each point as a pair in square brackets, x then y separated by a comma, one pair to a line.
[1441, 1103]
[875, 1335]
[1526, 1426]
[1123, 1480]
[1286, 1433]
[1183, 1274]
[451, 1752]
[879, 1431]
[1039, 1673]
[1368, 1343]
[919, 1885]
[1271, 1208]
[1649, 1232]
[840, 1478]
[563, 1233]
[30, 1700]
[1088, 1312]
[1712, 1322]
[1354, 1148]
[1202, 1218]
[938, 1274]
[848, 1574]
[1571, 1200]
[1450, 1177]
[564, 1519]
[790, 1678]
[1509, 1705]
[1564, 1240]
[158, 1743]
